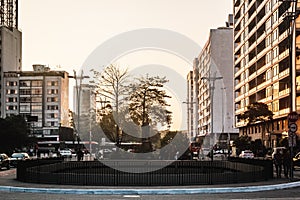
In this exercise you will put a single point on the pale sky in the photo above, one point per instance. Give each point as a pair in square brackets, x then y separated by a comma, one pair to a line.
[65, 32]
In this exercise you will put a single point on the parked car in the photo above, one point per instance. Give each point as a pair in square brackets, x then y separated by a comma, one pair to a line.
[17, 157]
[4, 161]
[246, 154]
[65, 153]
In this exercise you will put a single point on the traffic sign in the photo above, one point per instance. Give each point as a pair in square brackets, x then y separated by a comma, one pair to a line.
[293, 116]
[293, 127]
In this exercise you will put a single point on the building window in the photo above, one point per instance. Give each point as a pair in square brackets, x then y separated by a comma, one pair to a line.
[269, 40]
[11, 99]
[11, 83]
[11, 108]
[11, 91]
[36, 91]
[268, 24]
[37, 83]
[25, 99]
[25, 91]
[275, 70]
[275, 106]
[25, 83]
[52, 116]
[275, 16]
[268, 6]
[269, 57]
[52, 83]
[52, 107]
[52, 91]
[268, 74]
[36, 108]
[269, 91]
[275, 90]
[52, 99]
[275, 35]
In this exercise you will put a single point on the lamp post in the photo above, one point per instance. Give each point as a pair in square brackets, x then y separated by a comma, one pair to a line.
[211, 85]
[78, 95]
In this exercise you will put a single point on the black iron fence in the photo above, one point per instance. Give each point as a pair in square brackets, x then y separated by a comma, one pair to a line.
[144, 172]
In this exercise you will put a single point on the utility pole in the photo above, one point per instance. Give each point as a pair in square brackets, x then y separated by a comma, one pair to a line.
[211, 85]
[78, 83]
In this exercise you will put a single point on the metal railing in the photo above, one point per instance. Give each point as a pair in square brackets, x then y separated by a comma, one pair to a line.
[181, 172]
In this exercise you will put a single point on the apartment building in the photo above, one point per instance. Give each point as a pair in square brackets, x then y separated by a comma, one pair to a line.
[85, 104]
[41, 96]
[266, 64]
[191, 107]
[10, 44]
[213, 83]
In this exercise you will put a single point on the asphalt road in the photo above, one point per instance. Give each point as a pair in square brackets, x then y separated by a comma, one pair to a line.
[293, 193]
[7, 176]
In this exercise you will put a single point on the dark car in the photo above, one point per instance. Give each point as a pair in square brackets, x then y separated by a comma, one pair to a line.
[17, 157]
[4, 161]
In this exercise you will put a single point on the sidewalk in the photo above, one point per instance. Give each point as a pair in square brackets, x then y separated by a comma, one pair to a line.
[9, 183]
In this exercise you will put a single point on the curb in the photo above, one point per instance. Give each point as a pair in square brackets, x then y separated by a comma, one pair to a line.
[152, 191]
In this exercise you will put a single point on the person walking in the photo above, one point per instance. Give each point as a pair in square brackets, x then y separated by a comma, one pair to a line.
[79, 155]
[286, 161]
[278, 163]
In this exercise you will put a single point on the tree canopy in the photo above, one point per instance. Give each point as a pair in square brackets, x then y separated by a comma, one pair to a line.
[13, 134]
[257, 112]
[147, 101]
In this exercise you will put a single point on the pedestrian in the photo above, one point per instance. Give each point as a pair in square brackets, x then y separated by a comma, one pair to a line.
[278, 163]
[286, 161]
[79, 155]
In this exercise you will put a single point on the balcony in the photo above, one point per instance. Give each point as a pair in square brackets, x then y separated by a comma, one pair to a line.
[284, 73]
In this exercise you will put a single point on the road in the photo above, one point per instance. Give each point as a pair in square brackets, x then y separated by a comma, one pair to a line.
[286, 194]
[278, 194]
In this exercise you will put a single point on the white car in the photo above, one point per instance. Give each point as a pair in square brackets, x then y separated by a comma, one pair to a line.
[247, 154]
[65, 153]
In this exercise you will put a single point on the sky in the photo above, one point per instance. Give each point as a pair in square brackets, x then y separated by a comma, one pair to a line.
[63, 33]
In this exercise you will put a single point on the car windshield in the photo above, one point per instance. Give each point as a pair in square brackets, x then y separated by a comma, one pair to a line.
[17, 155]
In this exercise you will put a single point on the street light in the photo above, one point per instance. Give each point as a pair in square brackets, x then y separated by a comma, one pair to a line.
[211, 85]
[78, 95]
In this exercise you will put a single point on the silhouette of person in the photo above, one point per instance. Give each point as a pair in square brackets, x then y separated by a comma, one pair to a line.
[286, 160]
[278, 163]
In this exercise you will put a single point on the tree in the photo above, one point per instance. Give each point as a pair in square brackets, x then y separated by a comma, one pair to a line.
[111, 84]
[148, 105]
[257, 112]
[14, 134]
[242, 143]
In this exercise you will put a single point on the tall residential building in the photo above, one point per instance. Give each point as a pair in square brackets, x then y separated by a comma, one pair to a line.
[86, 107]
[191, 107]
[265, 69]
[213, 83]
[10, 44]
[41, 96]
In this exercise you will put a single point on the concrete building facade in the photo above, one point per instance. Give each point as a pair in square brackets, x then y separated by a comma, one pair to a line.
[10, 44]
[266, 64]
[213, 79]
[41, 96]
